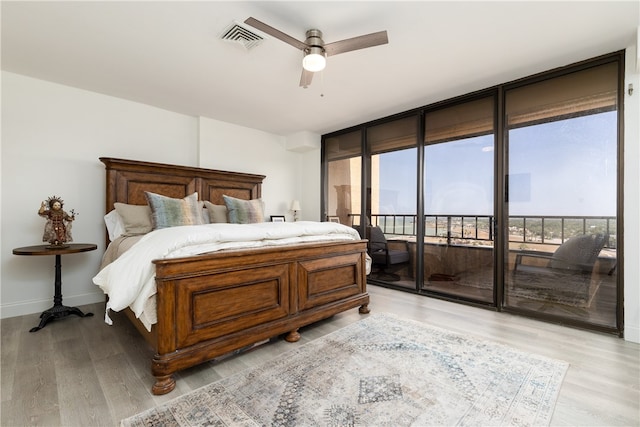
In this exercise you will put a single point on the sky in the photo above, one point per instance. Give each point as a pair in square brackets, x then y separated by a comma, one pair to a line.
[561, 168]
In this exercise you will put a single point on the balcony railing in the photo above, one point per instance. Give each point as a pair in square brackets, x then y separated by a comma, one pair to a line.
[524, 229]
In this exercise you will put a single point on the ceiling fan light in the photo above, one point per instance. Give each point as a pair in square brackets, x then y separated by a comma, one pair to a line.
[314, 60]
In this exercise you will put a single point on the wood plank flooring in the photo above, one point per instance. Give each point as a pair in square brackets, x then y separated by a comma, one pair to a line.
[82, 372]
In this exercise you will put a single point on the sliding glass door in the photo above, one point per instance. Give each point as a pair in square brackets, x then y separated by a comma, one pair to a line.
[562, 144]
[391, 201]
[508, 197]
[458, 200]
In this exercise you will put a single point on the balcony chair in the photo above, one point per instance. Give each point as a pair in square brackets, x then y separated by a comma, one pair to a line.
[385, 257]
[565, 275]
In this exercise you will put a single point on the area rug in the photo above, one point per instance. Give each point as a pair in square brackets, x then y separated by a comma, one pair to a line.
[382, 370]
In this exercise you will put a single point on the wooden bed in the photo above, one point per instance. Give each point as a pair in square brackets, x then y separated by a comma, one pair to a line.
[213, 304]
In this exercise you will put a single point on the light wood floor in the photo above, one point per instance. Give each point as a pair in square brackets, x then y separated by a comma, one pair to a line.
[477, 285]
[81, 372]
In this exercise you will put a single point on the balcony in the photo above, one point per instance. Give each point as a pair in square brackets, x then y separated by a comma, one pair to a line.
[459, 260]
[525, 231]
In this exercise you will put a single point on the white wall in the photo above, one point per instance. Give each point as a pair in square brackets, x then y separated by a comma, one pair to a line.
[52, 137]
[310, 185]
[230, 147]
[632, 197]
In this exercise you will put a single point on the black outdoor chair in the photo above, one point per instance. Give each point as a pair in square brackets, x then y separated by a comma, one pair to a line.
[384, 257]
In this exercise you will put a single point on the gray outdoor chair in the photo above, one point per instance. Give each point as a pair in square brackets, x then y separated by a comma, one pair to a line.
[566, 273]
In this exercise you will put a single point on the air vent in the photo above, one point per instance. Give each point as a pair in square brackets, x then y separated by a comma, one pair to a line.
[242, 35]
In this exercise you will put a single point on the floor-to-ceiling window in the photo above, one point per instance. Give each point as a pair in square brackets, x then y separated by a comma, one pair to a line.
[517, 195]
[458, 199]
[562, 154]
[391, 207]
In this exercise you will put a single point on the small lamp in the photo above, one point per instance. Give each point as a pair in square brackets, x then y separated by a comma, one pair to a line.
[295, 207]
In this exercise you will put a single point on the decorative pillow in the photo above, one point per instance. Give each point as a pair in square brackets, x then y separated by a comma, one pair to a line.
[217, 213]
[114, 224]
[170, 212]
[244, 211]
[136, 219]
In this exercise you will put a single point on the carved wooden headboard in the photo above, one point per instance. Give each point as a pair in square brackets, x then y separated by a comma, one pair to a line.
[127, 180]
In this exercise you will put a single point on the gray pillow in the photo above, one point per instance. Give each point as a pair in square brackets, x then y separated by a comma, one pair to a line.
[217, 213]
[136, 219]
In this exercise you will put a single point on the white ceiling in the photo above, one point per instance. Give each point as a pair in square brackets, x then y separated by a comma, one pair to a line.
[169, 54]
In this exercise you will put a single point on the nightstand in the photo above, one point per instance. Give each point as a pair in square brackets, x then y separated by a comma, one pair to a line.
[58, 310]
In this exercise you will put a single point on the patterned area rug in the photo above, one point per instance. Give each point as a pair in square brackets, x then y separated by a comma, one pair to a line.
[381, 370]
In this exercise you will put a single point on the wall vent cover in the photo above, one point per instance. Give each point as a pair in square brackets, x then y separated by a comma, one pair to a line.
[242, 35]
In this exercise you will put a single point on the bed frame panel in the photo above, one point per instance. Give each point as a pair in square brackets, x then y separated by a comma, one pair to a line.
[213, 304]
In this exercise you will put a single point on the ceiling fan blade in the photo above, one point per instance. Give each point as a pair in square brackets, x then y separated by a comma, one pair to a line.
[305, 78]
[355, 43]
[275, 33]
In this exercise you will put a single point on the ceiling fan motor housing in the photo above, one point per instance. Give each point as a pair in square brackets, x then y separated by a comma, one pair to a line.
[314, 39]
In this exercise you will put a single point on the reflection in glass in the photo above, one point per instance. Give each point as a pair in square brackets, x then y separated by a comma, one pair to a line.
[459, 220]
[562, 221]
[391, 202]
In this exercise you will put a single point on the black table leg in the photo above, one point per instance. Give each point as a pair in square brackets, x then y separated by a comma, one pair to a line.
[58, 310]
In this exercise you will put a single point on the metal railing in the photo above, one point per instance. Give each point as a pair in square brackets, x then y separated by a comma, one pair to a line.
[557, 229]
[524, 229]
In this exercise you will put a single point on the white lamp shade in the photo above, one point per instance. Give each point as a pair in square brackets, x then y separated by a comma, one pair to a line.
[314, 61]
[295, 205]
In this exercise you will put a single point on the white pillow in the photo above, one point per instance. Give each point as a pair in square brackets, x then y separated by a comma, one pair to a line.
[114, 224]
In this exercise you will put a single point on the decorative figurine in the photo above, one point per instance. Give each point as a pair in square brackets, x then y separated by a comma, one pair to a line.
[57, 230]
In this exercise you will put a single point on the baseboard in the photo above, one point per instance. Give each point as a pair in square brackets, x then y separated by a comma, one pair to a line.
[632, 334]
[31, 307]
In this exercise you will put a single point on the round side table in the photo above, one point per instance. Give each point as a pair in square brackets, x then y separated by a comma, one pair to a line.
[58, 310]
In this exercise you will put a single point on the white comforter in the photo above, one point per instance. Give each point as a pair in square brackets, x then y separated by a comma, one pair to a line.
[130, 280]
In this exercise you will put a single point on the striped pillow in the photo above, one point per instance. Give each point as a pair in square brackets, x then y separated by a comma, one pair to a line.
[169, 212]
[244, 211]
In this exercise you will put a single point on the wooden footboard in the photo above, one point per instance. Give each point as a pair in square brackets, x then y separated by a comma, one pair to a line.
[213, 304]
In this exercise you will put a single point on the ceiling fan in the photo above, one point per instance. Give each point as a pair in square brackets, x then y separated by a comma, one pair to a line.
[315, 51]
